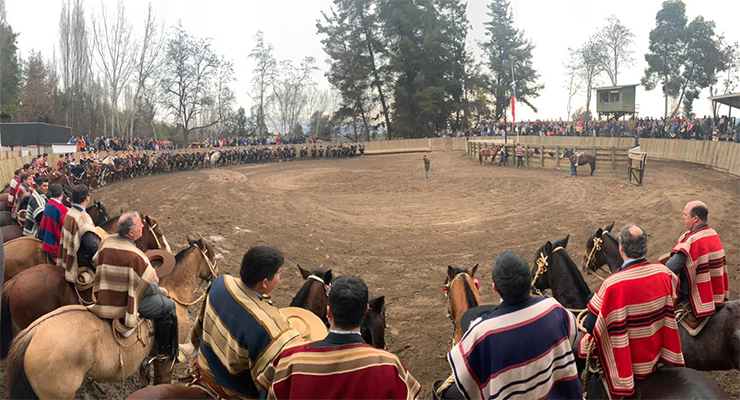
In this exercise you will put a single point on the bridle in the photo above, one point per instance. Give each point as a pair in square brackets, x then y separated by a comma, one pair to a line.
[213, 274]
[151, 230]
[446, 288]
[327, 288]
[598, 241]
[542, 265]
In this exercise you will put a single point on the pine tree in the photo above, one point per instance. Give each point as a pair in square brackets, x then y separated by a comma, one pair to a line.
[10, 71]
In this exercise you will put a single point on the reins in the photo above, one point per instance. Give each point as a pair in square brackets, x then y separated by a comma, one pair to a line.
[542, 265]
[213, 268]
[318, 279]
[598, 241]
[151, 230]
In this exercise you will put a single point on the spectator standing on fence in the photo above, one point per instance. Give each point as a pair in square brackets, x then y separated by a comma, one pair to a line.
[427, 165]
[519, 155]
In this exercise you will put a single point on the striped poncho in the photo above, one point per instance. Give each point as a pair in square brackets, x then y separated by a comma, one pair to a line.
[36, 207]
[518, 351]
[122, 277]
[50, 230]
[341, 366]
[635, 327]
[12, 189]
[76, 223]
[706, 270]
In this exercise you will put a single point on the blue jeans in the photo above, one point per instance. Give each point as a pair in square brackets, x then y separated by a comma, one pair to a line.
[572, 170]
[426, 173]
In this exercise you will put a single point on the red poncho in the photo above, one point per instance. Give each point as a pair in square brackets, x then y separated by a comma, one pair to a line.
[706, 270]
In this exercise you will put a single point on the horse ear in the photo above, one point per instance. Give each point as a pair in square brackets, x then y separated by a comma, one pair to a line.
[450, 272]
[474, 270]
[377, 303]
[191, 240]
[548, 247]
[305, 274]
[610, 227]
[327, 277]
[565, 241]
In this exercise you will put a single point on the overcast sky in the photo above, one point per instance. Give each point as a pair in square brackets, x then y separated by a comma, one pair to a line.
[290, 25]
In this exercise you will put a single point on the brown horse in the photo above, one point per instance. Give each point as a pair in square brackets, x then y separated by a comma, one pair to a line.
[152, 237]
[4, 201]
[5, 218]
[716, 347]
[52, 356]
[11, 232]
[21, 254]
[488, 152]
[580, 159]
[97, 212]
[461, 294]
[568, 287]
[43, 288]
[313, 294]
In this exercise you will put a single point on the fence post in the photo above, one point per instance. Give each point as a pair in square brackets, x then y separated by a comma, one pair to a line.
[614, 158]
[526, 155]
[557, 156]
[542, 156]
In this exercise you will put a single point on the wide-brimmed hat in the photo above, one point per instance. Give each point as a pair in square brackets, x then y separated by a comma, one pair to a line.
[308, 324]
[162, 260]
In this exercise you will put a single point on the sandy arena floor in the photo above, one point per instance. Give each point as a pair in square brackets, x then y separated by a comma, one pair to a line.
[378, 218]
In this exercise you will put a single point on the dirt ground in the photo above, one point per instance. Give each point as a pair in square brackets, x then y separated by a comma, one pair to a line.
[378, 218]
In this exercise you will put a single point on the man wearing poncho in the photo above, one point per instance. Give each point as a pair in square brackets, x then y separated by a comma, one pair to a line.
[631, 318]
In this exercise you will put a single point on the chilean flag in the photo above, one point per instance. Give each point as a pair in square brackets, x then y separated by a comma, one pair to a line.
[513, 100]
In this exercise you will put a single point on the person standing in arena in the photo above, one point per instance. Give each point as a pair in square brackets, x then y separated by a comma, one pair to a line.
[427, 165]
[519, 155]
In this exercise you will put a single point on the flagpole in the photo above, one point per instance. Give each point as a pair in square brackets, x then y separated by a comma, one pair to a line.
[513, 99]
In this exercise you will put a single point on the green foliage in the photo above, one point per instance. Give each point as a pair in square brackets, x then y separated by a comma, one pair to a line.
[10, 72]
[507, 46]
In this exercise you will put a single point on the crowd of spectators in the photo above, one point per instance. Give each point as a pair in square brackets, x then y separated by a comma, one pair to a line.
[85, 143]
[707, 128]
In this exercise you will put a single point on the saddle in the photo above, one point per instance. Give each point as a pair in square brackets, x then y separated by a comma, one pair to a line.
[685, 316]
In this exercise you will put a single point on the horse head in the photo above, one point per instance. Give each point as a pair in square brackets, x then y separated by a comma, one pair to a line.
[314, 293]
[373, 323]
[554, 269]
[595, 256]
[208, 270]
[152, 237]
[461, 292]
[567, 153]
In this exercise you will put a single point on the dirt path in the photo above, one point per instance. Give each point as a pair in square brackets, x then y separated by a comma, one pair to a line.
[377, 218]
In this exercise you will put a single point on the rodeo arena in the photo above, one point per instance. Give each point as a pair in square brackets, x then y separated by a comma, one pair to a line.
[589, 258]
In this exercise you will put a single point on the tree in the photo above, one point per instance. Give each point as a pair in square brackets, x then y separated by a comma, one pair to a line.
[264, 73]
[148, 61]
[75, 63]
[10, 71]
[616, 41]
[38, 92]
[115, 54]
[288, 97]
[189, 70]
[591, 63]
[505, 48]
[667, 41]
[573, 80]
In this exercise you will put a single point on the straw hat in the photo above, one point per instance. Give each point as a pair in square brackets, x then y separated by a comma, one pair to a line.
[308, 324]
[162, 260]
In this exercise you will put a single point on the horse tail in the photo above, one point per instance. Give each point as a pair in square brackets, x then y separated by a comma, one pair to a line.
[6, 321]
[593, 165]
[18, 385]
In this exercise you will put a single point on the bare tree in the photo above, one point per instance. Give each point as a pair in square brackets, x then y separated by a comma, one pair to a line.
[74, 57]
[115, 53]
[288, 98]
[573, 80]
[615, 41]
[591, 64]
[190, 69]
[264, 73]
[149, 59]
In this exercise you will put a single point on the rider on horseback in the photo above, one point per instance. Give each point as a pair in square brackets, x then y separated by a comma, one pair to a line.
[119, 261]
[35, 209]
[699, 261]
[341, 366]
[521, 348]
[79, 242]
[239, 332]
[631, 318]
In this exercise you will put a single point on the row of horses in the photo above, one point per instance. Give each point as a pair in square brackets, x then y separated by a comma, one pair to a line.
[716, 347]
[577, 159]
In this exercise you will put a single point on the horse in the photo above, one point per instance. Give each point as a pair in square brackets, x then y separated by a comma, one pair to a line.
[580, 159]
[85, 345]
[373, 324]
[4, 201]
[5, 218]
[716, 347]
[97, 212]
[554, 269]
[11, 232]
[21, 254]
[488, 152]
[313, 294]
[461, 294]
[43, 288]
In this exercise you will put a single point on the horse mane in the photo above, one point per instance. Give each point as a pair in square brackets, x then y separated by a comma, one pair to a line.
[302, 295]
[469, 295]
[174, 276]
[576, 277]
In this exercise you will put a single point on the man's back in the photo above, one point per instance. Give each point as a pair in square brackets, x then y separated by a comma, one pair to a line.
[341, 366]
[522, 350]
